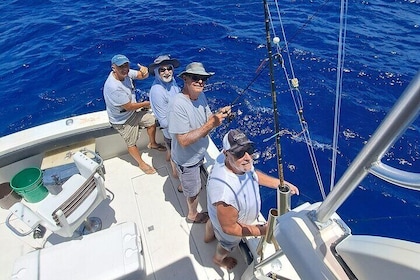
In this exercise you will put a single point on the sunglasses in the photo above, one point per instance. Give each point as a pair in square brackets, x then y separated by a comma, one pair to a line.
[241, 153]
[163, 69]
[197, 78]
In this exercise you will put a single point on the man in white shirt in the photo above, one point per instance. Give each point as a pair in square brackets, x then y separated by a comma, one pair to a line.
[233, 197]
[123, 110]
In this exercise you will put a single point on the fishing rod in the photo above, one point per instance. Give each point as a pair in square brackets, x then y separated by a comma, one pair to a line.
[259, 69]
[277, 56]
[283, 191]
[235, 102]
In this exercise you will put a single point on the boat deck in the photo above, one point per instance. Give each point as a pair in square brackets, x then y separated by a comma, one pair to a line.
[173, 248]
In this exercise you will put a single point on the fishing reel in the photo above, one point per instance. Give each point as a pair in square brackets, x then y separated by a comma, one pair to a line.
[231, 116]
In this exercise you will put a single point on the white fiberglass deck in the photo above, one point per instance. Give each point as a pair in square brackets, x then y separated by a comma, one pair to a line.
[173, 248]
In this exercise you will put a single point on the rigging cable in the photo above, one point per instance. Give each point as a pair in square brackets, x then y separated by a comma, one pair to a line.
[339, 86]
[293, 84]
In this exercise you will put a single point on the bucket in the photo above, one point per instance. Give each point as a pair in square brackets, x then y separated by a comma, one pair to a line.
[8, 196]
[28, 184]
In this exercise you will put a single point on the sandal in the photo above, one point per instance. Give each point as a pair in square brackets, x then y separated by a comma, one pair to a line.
[201, 218]
[159, 147]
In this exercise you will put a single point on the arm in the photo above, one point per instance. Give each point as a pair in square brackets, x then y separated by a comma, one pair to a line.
[134, 106]
[228, 219]
[214, 121]
[134, 74]
[143, 72]
[272, 182]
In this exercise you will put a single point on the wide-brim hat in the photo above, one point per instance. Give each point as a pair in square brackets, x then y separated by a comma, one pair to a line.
[162, 60]
[234, 140]
[196, 68]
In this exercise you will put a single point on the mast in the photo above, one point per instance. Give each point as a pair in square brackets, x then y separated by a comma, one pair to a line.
[283, 191]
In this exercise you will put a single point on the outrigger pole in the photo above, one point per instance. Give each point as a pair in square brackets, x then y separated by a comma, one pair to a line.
[283, 191]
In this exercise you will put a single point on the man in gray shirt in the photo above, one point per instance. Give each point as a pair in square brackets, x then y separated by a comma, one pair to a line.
[190, 121]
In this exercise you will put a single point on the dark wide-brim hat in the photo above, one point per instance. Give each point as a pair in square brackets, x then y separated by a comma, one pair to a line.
[196, 68]
[162, 60]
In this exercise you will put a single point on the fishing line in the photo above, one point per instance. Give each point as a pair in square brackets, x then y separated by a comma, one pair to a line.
[297, 98]
[282, 133]
[383, 218]
[293, 88]
[339, 87]
[278, 56]
[306, 22]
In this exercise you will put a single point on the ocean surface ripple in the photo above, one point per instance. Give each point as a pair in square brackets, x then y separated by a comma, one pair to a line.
[56, 57]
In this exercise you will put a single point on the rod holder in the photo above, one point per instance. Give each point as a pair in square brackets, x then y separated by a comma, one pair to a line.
[268, 237]
[283, 199]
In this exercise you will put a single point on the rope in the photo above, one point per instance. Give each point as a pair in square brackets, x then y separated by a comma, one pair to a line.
[339, 87]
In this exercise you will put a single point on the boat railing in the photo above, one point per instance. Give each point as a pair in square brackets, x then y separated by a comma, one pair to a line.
[31, 141]
[409, 180]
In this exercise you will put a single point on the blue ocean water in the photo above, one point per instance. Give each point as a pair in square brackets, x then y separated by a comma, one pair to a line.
[55, 57]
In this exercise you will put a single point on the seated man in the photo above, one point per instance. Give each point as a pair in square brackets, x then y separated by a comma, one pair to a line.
[123, 109]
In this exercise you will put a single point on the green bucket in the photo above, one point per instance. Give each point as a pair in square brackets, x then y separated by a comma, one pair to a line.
[28, 184]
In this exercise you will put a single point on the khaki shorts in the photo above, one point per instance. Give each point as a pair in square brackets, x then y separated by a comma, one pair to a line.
[130, 131]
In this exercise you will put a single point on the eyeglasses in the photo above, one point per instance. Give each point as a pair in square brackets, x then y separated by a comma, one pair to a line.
[241, 153]
[163, 69]
[197, 78]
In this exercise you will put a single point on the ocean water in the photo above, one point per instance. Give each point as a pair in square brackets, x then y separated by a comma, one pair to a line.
[55, 57]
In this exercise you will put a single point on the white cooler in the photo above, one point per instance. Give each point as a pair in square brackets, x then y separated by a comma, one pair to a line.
[113, 253]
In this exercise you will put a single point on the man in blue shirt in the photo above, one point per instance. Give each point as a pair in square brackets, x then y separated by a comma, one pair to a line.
[163, 89]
